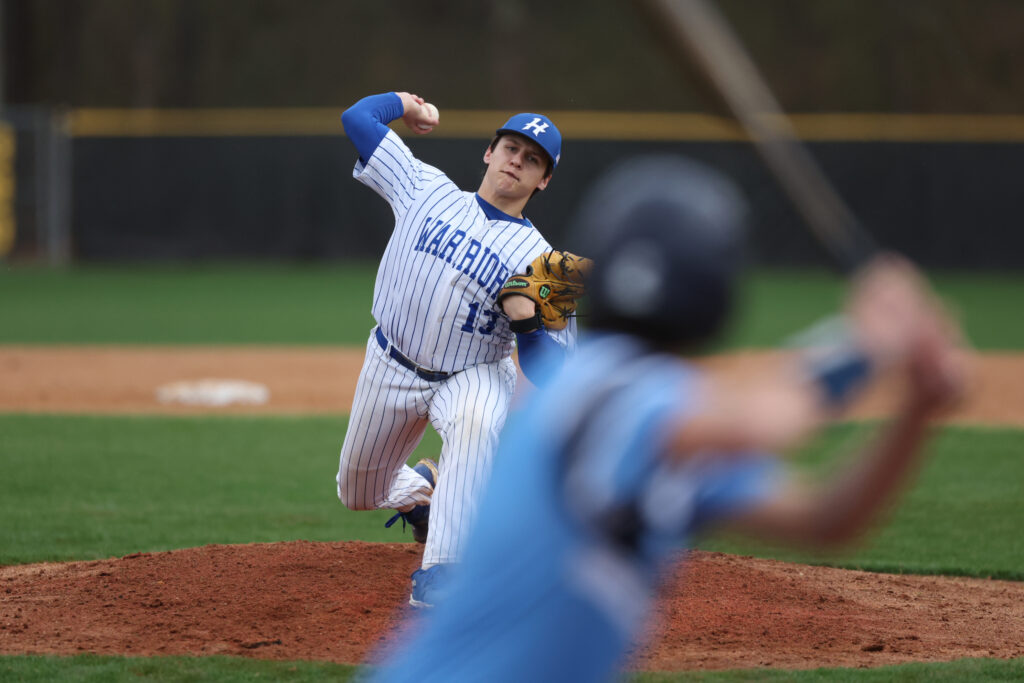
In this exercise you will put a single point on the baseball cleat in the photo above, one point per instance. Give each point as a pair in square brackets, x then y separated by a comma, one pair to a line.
[419, 516]
[430, 586]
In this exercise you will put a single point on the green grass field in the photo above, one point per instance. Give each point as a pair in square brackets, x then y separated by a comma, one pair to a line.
[330, 304]
[94, 668]
[86, 487]
[94, 487]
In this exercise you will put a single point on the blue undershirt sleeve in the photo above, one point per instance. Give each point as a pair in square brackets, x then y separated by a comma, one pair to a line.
[539, 355]
[366, 121]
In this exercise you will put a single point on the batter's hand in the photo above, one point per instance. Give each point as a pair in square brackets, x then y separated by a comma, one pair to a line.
[938, 368]
[888, 304]
[900, 321]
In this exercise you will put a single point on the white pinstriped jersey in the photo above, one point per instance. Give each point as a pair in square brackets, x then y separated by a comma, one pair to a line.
[437, 285]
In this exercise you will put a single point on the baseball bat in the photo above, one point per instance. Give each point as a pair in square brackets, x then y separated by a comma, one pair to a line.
[697, 31]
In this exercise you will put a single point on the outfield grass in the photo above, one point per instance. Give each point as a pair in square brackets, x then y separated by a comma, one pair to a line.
[88, 668]
[92, 487]
[78, 488]
[329, 304]
[200, 304]
[778, 303]
[961, 516]
[975, 670]
[97, 668]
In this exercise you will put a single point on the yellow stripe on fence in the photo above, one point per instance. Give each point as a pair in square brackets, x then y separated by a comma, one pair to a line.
[581, 125]
[8, 225]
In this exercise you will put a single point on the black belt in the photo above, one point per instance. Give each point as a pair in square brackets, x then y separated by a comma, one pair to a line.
[422, 372]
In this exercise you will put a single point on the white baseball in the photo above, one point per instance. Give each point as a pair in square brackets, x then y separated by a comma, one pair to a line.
[431, 112]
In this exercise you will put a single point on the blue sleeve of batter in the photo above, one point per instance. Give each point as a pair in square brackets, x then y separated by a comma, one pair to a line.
[539, 355]
[732, 485]
[366, 121]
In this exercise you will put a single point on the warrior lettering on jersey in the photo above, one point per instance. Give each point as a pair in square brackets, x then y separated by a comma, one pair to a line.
[488, 270]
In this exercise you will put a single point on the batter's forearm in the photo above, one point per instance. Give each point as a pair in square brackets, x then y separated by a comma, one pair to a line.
[856, 497]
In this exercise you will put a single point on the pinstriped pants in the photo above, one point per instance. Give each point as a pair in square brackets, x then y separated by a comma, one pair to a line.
[390, 412]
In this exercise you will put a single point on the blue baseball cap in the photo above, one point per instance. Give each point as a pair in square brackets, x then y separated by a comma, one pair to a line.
[538, 128]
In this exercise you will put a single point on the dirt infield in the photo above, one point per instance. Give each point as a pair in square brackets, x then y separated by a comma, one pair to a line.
[341, 601]
[322, 380]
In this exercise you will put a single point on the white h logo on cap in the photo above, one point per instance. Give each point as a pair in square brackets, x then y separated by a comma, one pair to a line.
[537, 126]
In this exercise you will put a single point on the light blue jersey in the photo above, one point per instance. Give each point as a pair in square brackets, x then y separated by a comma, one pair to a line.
[581, 513]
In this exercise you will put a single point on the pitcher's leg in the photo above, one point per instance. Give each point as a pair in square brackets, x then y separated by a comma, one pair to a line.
[386, 424]
[468, 413]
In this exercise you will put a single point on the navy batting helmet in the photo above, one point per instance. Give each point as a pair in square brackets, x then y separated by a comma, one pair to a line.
[666, 235]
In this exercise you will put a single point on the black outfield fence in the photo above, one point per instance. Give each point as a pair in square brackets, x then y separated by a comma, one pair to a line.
[184, 193]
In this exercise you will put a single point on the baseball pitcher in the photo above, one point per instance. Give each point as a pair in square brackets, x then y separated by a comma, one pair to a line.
[440, 352]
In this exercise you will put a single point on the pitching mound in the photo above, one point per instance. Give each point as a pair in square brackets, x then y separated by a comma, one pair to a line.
[341, 601]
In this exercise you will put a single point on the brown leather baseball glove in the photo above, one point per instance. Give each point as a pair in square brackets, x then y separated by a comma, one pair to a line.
[553, 281]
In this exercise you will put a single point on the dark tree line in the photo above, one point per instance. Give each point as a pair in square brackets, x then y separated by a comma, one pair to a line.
[820, 55]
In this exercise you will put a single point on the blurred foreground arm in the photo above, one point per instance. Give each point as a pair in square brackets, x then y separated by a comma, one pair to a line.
[838, 510]
[896, 324]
